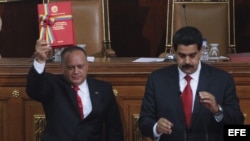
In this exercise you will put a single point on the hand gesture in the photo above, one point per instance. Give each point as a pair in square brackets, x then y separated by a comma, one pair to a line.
[42, 51]
[209, 101]
[164, 126]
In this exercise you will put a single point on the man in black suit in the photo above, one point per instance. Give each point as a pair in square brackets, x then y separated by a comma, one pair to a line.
[99, 117]
[213, 101]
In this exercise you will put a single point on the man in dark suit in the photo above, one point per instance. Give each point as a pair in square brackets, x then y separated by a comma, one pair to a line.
[99, 117]
[165, 114]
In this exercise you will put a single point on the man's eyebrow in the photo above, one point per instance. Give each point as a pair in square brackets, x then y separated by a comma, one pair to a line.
[187, 54]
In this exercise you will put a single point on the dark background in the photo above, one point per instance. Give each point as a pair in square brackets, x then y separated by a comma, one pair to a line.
[137, 27]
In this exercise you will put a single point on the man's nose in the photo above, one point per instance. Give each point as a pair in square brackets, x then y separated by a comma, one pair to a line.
[187, 59]
[75, 69]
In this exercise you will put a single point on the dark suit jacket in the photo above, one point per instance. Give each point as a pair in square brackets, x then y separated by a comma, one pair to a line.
[63, 121]
[163, 99]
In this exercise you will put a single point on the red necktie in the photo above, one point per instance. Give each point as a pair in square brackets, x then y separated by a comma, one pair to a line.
[79, 101]
[187, 100]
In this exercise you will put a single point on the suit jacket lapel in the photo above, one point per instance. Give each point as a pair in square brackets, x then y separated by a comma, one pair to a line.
[202, 86]
[94, 94]
[177, 93]
[71, 94]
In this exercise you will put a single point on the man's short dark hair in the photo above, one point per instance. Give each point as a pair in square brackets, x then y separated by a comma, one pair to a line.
[71, 49]
[187, 35]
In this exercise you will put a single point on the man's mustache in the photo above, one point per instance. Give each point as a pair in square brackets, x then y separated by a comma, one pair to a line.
[186, 66]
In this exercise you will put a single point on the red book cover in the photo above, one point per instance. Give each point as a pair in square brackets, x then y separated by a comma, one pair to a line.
[56, 23]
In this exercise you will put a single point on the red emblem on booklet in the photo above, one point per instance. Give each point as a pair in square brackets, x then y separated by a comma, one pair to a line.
[56, 23]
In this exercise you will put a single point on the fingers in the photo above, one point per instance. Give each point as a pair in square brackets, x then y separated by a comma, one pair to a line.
[42, 45]
[208, 100]
[164, 126]
[206, 97]
[42, 50]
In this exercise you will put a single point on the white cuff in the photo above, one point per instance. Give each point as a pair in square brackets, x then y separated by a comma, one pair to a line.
[39, 67]
[156, 135]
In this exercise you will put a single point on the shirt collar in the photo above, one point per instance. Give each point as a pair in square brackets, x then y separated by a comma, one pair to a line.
[195, 75]
[83, 85]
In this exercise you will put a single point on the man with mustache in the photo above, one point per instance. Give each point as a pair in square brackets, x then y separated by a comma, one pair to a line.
[190, 100]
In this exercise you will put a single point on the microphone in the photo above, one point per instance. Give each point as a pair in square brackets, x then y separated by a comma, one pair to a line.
[185, 13]
[185, 135]
[203, 108]
[204, 123]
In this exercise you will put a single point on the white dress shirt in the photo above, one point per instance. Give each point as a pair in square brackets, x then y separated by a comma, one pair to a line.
[83, 92]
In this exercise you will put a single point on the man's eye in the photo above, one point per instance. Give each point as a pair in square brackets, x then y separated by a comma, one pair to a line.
[80, 67]
[70, 67]
[182, 55]
[192, 55]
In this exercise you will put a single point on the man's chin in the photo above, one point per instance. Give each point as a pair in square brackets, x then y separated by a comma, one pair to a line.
[75, 82]
[187, 70]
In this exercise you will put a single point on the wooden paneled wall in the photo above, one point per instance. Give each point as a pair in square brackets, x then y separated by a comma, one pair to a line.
[20, 28]
[137, 27]
[22, 119]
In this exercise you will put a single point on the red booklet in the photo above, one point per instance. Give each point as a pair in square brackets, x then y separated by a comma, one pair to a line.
[56, 23]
